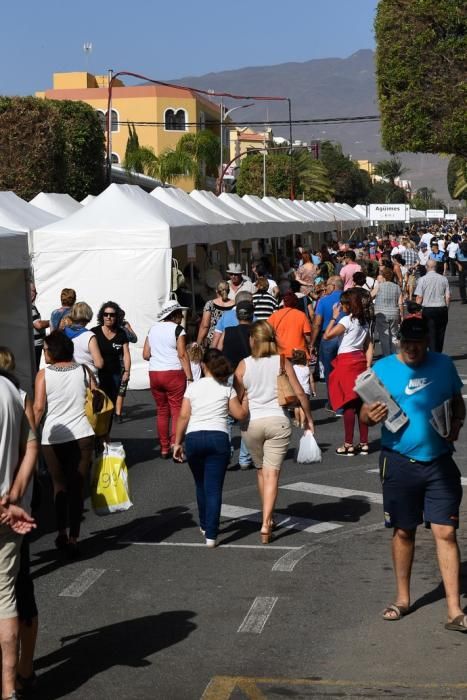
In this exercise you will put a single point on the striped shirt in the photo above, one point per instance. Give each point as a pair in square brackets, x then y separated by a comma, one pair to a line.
[387, 299]
[39, 333]
[411, 257]
[432, 288]
[264, 305]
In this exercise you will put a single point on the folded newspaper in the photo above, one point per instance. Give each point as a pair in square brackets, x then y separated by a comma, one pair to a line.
[441, 418]
[370, 389]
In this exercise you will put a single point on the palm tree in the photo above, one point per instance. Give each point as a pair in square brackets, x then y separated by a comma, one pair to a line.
[311, 176]
[391, 169]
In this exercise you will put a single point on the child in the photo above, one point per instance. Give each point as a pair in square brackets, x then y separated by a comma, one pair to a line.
[302, 372]
[195, 353]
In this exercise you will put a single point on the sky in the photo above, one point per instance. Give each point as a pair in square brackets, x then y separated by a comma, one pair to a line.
[166, 40]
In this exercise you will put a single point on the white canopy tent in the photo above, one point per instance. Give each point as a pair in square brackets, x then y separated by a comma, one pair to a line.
[58, 204]
[18, 215]
[252, 227]
[118, 247]
[294, 224]
[15, 304]
[317, 222]
[276, 227]
[88, 199]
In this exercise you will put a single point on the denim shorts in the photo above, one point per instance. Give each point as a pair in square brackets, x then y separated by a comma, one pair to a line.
[416, 492]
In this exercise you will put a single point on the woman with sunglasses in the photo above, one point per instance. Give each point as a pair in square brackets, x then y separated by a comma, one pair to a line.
[113, 345]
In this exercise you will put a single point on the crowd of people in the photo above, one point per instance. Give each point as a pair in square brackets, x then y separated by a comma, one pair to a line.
[322, 316]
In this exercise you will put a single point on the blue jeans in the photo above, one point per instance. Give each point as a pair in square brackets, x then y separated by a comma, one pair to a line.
[327, 352]
[208, 455]
[244, 457]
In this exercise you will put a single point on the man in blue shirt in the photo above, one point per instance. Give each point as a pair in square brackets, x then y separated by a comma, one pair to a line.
[461, 262]
[420, 480]
[439, 256]
[323, 314]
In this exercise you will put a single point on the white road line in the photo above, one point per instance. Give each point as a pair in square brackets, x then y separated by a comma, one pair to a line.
[82, 583]
[287, 522]
[373, 471]
[257, 615]
[335, 492]
[201, 544]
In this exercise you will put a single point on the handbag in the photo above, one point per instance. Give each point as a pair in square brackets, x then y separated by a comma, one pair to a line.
[97, 406]
[286, 396]
[110, 491]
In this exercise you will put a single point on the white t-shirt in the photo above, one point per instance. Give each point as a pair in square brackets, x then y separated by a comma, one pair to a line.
[302, 373]
[14, 429]
[65, 419]
[163, 344]
[209, 404]
[354, 336]
[452, 249]
[260, 381]
[196, 371]
[81, 352]
[426, 238]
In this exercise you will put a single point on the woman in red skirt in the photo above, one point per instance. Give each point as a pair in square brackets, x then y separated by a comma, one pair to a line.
[353, 358]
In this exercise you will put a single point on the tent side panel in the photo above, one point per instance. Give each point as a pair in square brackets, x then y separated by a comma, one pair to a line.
[16, 323]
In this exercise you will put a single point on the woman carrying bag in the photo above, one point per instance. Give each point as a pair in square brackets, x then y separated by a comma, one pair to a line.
[268, 433]
[203, 419]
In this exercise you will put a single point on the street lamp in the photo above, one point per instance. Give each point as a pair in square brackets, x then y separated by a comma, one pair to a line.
[223, 116]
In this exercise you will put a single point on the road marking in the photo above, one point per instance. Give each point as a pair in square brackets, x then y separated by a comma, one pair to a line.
[287, 562]
[257, 615]
[201, 544]
[82, 583]
[224, 687]
[335, 492]
[373, 471]
[288, 522]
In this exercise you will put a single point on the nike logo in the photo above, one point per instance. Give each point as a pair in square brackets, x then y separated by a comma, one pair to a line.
[415, 385]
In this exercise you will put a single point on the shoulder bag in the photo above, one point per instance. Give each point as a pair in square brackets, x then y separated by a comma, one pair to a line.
[97, 406]
[286, 396]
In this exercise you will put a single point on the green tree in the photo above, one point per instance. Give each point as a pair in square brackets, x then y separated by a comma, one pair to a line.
[420, 66]
[385, 193]
[350, 184]
[390, 169]
[83, 154]
[424, 198]
[457, 177]
[312, 177]
[250, 177]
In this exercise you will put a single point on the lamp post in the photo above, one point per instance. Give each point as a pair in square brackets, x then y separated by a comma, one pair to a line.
[223, 116]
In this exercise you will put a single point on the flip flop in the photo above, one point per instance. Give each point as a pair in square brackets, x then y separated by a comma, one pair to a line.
[399, 610]
[459, 624]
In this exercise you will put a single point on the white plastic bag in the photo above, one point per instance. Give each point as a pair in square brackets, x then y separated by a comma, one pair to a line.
[308, 450]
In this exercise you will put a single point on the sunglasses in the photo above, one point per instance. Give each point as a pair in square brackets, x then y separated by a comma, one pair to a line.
[109, 315]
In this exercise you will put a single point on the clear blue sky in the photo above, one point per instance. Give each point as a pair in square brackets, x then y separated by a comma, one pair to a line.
[167, 39]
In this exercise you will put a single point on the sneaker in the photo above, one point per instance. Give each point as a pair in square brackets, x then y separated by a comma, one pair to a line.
[210, 543]
[244, 467]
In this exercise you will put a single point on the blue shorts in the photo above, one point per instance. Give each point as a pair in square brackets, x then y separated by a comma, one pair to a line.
[416, 492]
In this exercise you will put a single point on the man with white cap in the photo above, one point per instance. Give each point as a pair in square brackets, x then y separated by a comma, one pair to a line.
[237, 280]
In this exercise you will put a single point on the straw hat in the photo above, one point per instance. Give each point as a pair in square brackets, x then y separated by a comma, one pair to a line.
[234, 269]
[169, 308]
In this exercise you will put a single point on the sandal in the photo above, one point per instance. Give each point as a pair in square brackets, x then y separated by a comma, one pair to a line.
[394, 612]
[346, 451]
[362, 448]
[459, 624]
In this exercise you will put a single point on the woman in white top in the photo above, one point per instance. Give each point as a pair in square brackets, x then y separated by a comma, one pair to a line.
[86, 348]
[353, 358]
[268, 433]
[67, 436]
[169, 370]
[203, 422]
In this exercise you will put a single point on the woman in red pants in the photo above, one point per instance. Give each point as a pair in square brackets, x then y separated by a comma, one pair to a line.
[353, 358]
[169, 371]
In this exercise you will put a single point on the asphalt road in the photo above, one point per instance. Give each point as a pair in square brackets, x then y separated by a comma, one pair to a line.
[149, 612]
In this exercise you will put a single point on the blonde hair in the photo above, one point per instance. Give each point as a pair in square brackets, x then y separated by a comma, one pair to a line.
[7, 359]
[264, 340]
[80, 312]
[223, 290]
[195, 352]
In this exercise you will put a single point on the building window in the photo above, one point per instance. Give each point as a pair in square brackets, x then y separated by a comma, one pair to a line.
[115, 120]
[175, 120]
[103, 119]
[115, 158]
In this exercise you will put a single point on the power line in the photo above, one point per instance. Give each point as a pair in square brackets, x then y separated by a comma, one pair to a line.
[278, 122]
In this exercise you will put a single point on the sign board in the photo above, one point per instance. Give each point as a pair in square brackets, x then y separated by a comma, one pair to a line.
[435, 213]
[388, 212]
[450, 217]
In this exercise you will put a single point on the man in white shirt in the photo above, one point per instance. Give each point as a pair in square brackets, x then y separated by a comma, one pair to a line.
[433, 294]
[238, 281]
[451, 249]
[426, 238]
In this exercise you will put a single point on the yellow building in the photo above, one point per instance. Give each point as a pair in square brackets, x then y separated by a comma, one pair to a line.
[368, 167]
[242, 140]
[161, 114]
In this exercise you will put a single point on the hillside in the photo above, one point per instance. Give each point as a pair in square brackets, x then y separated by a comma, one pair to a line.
[320, 88]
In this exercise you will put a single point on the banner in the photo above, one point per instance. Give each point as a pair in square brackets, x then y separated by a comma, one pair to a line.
[435, 213]
[388, 212]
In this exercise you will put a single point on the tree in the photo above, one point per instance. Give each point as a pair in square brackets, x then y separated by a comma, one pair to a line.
[384, 192]
[424, 198]
[83, 154]
[250, 177]
[457, 177]
[420, 67]
[391, 169]
[312, 177]
[350, 184]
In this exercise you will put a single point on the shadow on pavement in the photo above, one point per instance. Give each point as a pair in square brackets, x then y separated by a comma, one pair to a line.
[86, 654]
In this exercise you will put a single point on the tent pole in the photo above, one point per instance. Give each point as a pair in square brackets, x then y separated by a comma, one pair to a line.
[193, 303]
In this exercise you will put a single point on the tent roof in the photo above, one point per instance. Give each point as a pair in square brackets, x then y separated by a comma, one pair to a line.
[18, 215]
[14, 254]
[55, 203]
[88, 199]
[275, 225]
[121, 217]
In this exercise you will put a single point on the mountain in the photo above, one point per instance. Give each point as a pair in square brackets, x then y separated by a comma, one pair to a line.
[322, 88]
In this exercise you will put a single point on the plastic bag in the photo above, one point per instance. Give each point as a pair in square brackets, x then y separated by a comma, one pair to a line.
[109, 482]
[308, 450]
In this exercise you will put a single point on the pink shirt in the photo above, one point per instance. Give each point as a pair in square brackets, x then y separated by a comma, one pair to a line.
[347, 273]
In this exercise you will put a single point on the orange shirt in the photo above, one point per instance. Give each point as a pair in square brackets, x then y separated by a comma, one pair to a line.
[290, 326]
